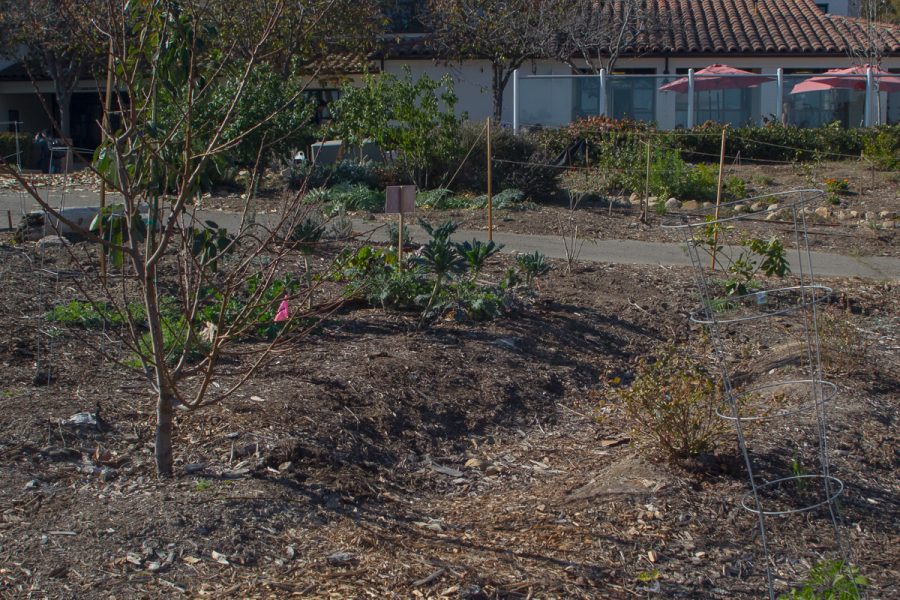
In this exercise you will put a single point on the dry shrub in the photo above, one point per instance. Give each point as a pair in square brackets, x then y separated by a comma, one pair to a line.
[844, 347]
[672, 402]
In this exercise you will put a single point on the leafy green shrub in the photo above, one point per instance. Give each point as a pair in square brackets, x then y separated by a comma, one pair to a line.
[90, 315]
[347, 172]
[412, 116]
[884, 148]
[735, 187]
[346, 198]
[436, 198]
[519, 161]
[830, 580]
[673, 401]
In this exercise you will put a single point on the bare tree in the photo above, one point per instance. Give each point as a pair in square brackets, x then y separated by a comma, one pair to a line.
[506, 33]
[593, 34]
[51, 39]
[199, 294]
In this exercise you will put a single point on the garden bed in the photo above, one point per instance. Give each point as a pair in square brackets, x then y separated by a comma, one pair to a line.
[464, 460]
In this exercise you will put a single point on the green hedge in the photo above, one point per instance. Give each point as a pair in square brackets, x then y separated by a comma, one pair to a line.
[772, 142]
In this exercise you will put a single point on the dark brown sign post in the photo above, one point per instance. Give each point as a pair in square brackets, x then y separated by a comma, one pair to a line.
[398, 200]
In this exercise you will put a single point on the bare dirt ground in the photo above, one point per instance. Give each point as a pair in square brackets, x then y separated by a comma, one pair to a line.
[463, 461]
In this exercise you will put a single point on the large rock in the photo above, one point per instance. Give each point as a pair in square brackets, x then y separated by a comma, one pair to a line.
[773, 207]
[690, 205]
[757, 206]
[673, 204]
[823, 212]
[634, 198]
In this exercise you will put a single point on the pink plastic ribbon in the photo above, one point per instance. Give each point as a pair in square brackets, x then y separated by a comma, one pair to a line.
[282, 314]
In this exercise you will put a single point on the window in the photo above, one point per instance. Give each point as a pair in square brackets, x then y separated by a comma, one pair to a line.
[814, 109]
[822, 7]
[322, 100]
[628, 95]
[735, 106]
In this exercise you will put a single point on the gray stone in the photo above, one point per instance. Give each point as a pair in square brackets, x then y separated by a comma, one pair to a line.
[672, 204]
[52, 241]
[634, 198]
[690, 205]
[757, 206]
[772, 207]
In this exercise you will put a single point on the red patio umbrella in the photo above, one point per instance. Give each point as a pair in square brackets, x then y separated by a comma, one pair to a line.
[852, 78]
[717, 77]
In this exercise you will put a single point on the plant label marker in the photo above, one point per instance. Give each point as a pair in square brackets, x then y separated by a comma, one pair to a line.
[400, 199]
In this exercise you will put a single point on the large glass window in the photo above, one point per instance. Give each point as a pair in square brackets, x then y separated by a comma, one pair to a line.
[814, 109]
[632, 97]
[735, 106]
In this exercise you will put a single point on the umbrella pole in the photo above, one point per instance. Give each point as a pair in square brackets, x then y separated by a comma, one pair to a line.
[718, 198]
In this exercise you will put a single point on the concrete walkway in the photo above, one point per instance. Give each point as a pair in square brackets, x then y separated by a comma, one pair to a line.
[632, 252]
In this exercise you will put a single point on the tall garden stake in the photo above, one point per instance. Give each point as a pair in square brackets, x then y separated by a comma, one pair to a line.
[718, 197]
[490, 200]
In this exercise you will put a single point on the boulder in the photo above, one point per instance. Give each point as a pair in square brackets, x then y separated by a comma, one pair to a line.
[823, 212]
[672, 204]
[690, 205]
[773, 207]
[634, 198]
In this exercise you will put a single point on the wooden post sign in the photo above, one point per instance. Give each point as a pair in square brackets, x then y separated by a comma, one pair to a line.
[398, 200]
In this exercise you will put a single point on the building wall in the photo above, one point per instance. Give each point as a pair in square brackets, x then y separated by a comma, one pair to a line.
[548, 102]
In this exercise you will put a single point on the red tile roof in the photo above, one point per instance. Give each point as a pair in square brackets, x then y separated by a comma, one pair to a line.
[776, 27]
[717, 27]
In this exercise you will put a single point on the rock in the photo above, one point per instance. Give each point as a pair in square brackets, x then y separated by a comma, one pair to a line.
[772, 215]
[741, 208]
[341, 558]
[82, 419]
[634, 198]
[853, 214]
[285, 466]
[690, 205]
[52, 241]
[492, 470]
[772, 207]
[871, 216]
[707, 204]
[673, 204]
[474, 463]
[823, 212]
[652, 200]
[757, 206]
[885, 214]
[842, 215]
[889, 224]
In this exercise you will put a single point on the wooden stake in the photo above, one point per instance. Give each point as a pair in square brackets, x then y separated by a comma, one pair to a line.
[400, 241]
[646, 204]
[490, 202]
[9, 218]
[106, 109]
[718, 198]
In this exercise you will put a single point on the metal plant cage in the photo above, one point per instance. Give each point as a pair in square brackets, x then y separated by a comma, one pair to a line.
[770, 322]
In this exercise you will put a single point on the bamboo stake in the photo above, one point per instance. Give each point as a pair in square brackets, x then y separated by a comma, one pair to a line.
[646, 204]
[718, 198]
[400, 241]
[490, 199]
[106, 109]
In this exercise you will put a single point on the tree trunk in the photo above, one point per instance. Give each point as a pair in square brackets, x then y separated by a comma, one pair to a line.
[64, 100]
[163, 446]
[498, 85]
